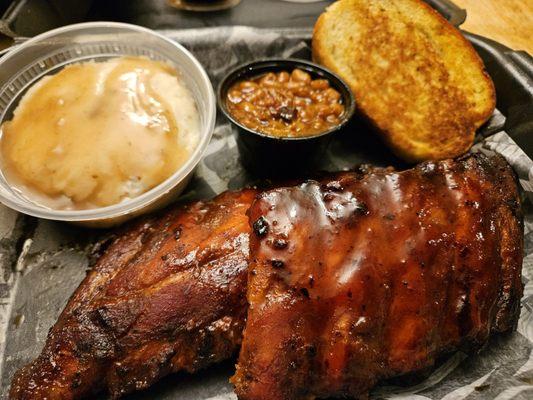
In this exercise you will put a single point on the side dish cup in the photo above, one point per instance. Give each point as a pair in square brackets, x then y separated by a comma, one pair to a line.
[270, 155]
[48, 53]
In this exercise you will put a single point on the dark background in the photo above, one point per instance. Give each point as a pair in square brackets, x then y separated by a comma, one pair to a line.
[31, 17]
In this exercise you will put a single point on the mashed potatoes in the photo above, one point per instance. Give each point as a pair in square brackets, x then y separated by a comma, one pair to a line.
[96, 134]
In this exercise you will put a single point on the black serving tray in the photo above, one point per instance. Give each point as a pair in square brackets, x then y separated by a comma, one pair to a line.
[47, 260]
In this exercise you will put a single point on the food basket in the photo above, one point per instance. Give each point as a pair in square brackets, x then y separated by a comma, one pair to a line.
[41, 262]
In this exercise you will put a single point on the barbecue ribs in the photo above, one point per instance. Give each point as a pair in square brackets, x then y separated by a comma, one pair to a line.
[374, 276]
[167, 295]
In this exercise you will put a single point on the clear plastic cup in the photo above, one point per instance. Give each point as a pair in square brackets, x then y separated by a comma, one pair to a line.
[48, 53]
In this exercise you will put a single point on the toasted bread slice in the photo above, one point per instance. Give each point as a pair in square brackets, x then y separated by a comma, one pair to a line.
[414, 76]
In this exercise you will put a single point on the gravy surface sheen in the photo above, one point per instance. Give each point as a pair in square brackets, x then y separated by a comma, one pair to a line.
[99, 133]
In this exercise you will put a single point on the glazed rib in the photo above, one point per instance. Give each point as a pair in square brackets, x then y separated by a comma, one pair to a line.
[374, 276]
[167, 295]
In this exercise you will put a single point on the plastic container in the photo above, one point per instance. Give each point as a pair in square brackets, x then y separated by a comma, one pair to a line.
[51, 51]
[267, 155]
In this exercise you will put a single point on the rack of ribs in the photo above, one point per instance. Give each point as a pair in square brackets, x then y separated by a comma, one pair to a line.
[375, 276]
[361, 277]
[167, 295]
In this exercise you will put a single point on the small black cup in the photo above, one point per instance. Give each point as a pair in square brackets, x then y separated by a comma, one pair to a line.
[288, 156]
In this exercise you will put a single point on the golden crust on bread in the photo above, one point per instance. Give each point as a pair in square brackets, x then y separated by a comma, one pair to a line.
[414, 76]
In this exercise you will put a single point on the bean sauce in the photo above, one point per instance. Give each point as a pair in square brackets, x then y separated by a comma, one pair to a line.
[286, 104]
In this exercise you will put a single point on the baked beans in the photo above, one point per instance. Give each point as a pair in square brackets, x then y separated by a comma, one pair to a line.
[285, 104]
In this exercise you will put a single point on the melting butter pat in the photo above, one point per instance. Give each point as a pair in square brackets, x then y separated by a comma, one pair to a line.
[99, 133]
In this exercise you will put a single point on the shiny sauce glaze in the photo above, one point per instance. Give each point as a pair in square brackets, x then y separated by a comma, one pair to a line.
[168, 294]
[375, 275]
[286, 104]
[96, 134]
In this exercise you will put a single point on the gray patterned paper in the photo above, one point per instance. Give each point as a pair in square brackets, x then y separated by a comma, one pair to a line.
[42, 262]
